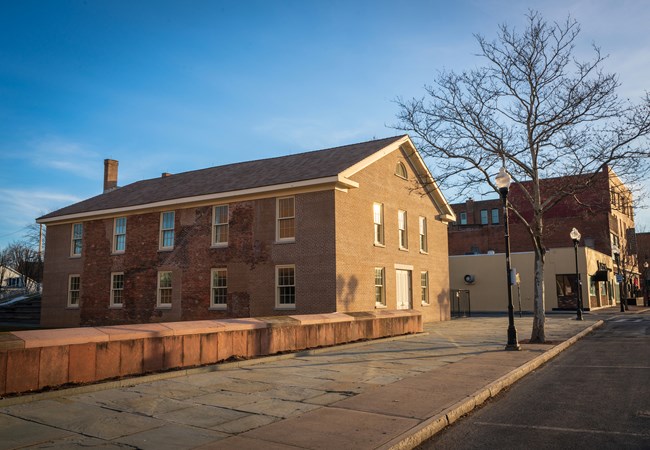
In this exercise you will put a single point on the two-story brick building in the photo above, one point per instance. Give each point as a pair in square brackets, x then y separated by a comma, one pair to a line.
[602, 212]
[351, 228]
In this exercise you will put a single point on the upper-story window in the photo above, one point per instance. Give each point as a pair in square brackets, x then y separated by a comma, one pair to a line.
[378, 219]
[167, 229]
[286, 219]
[77, 239]
[119, 234]
[220, 227]
[423, 235]
[463, 218]
[484, 217]
[400, 170]
[495, 216]
[402, 225]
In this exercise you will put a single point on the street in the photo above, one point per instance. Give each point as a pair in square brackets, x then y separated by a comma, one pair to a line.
[594, 395]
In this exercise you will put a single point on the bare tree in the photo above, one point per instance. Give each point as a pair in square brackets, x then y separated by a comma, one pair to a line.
[22, 258]
[539, 111]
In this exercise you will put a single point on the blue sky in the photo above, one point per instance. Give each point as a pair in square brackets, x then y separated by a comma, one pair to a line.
[180, 85]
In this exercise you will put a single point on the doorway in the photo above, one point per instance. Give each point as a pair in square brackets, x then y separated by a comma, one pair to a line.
[403, 283]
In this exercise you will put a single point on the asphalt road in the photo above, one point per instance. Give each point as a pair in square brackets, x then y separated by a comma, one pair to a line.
[595, 395]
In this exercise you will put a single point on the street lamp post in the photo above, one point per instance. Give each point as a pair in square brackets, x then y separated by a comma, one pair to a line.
[645, 283]
[503, 181]
[575, 236]
[617, 254]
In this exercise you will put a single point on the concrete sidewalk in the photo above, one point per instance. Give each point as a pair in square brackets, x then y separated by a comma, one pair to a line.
[392, 393]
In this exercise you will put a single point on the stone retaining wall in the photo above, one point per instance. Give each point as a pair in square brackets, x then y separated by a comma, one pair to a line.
[37, 359]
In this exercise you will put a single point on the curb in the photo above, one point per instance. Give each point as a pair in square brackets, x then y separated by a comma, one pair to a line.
[427, 429]
[141, 379]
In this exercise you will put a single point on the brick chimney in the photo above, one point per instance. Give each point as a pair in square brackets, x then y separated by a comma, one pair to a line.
[165, 175]
[110, 175]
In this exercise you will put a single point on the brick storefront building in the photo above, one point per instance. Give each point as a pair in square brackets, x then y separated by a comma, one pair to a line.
[341, 229]
[603, 214]
[643, 252]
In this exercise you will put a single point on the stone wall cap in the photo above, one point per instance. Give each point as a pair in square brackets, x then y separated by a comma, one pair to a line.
[242, 324]
[136, 331]
[311, 319]
[60, 336]
[194, 327]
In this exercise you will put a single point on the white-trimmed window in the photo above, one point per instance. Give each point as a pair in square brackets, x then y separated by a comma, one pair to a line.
[74, 290]
[380, 287]
[167, 229]
[117, 288]
[285, 287]
[286, 219]
[400, 170]
[220, 228]
[495, 216]
[484, 217]
[402, 224]
[463, 218]
[77, 239]
[164, 299]
[219, 298]
[424, 283]
[378, 219]
[119, 234]
[424, 246]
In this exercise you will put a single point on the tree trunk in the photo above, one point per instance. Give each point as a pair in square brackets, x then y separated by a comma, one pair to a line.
[538, 336]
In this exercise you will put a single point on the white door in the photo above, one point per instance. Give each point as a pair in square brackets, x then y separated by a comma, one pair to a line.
[403, 289]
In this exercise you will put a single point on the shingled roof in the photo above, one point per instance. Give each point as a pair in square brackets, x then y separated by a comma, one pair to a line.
[232, 177]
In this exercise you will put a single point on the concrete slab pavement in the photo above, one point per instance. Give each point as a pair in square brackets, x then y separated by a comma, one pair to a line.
[392, 393]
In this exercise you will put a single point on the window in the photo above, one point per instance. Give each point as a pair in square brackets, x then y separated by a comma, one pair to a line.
[77, 239]
[219, 288]
[400, 170]
[285, 287]
[286, 214]
[220, 226]
[167, 230]
[378, 219]
[484, 217]
[117, 287]
[401, 225]
[423, 234]
[463, 218]
[119, 235]
[164, 290]
[74, 286]
[495, 216]
[380, 288]
[424, 283]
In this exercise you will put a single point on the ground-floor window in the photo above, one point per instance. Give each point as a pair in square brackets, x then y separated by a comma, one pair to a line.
[285, 297]
[567, 291]
[219, 288]
[424, 283]
[380, 286]
[117, 287]
[74, 289]
[164, 289]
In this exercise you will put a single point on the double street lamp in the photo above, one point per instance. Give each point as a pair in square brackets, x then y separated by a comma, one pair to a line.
[503, 181]
[575, 236]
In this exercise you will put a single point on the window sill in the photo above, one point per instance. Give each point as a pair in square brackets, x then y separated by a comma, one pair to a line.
[403, 249]
[423, 252]
[287, 241]
[426, 304]
[165, 249]
[378, 244]
[72, 307]
[285, 308]
[220, 245]
[116, 307]
[218, 308]
[121, 252]
[380, 306]
[163, 306]
[75, 256]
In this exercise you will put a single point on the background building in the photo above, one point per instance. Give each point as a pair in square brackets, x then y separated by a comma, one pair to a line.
[602, 213]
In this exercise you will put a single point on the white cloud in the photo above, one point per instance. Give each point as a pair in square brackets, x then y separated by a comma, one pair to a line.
[21, 207]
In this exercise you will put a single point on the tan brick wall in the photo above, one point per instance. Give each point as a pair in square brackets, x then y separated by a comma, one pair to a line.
[357, 256]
